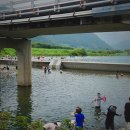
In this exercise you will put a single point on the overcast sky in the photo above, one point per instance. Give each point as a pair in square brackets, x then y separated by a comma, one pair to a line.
[114, 37]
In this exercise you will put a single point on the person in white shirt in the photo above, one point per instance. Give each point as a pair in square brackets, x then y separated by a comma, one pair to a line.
[97, 101]
[97, 104]
[52, 126]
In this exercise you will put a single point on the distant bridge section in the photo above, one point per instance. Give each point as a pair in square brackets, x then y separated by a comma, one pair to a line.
[29, 18]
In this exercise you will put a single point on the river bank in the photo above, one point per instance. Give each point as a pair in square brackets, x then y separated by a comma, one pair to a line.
[83, 65]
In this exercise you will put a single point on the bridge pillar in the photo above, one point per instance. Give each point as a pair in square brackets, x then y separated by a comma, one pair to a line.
[24, 63]
[23, 49]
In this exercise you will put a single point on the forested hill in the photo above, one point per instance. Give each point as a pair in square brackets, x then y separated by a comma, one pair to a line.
[86, 41]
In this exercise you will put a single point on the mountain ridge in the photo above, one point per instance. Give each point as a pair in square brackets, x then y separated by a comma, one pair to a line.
[87, 41]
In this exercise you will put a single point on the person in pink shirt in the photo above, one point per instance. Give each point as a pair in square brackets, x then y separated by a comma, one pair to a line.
[97, 103]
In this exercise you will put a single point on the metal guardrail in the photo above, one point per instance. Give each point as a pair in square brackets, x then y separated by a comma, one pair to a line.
[28, 7]
[27, 4]
[52, 6]
[31, 8]
[95, 12]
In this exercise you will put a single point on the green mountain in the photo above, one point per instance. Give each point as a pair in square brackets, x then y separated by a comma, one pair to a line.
[87, 41]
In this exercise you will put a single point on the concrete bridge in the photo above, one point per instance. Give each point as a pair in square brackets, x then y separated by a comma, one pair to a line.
[25, 19]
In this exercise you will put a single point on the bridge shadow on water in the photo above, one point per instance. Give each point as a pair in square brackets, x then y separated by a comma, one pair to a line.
[24, 101]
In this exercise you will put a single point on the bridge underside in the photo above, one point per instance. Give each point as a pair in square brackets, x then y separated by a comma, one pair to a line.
[99, 19]
[105, 18]
[32, 32]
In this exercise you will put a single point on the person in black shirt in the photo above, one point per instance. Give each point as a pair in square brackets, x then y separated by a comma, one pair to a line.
[109, 123]
[127, 114]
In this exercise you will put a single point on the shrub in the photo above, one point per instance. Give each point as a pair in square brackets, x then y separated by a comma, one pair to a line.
[4, 120]
[79, 52]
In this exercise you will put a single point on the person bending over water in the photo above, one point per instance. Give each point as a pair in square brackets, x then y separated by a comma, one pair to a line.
[52, 126]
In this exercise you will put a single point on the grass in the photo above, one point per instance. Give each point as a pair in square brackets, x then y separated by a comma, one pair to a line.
[51, 52]
[67, 52]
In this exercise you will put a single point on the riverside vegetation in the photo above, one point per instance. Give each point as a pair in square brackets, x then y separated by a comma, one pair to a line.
[39, 49]
[11, 122]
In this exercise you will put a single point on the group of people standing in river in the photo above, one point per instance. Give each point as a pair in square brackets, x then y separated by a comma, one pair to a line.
[111, 112]
[109, 122]
[46, 69]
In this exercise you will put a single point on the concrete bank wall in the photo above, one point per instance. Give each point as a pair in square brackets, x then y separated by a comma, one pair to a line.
[8, 62]
[35, 64]
[39, 64]
[96, 66]
[78, 65]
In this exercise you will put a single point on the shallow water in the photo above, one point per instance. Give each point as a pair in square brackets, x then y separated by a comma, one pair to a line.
[54, 96]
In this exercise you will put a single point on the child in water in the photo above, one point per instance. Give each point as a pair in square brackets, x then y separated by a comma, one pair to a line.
[79, 118]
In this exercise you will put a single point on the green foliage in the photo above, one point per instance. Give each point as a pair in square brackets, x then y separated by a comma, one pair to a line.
[4, 120]
[7, 121]
[67, 52]
[36, 125]
[43, 45]
[50, 52]
[78, 52]
[128, 52]
[65, 124]
[8, 51]
[104, 52]
[21, 121]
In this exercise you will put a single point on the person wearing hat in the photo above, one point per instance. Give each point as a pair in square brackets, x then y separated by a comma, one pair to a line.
[52, 126]
[109, 123]
[127, 114]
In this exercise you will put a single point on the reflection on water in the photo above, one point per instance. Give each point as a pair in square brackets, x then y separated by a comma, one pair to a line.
[54, 96]
[24, 101]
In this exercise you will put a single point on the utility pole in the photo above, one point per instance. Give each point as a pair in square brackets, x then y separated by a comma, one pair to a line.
[32, 4]
[11, 6]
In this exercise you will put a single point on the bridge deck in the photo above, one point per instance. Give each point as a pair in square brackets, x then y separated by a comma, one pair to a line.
[31, 8]
[71, 17]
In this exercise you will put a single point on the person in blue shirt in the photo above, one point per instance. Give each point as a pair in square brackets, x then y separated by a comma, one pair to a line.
[79, 119]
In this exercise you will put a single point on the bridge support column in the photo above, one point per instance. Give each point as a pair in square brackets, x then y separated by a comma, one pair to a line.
[23, 49]
[24, 63]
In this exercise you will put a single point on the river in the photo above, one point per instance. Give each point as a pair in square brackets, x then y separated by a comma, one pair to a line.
[106, 59]
[54, 96]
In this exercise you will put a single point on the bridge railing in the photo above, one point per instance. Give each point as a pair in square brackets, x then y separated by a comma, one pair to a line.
[30, 4]
[26, 4]
[35, 7]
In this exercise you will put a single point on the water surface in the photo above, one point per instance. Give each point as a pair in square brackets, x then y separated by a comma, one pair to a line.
[54, 96]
